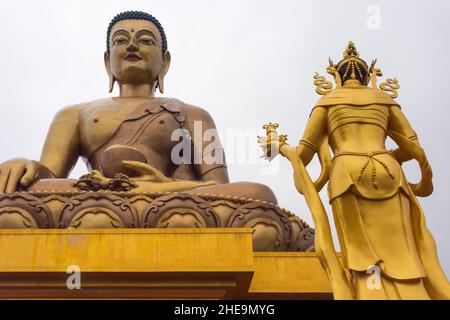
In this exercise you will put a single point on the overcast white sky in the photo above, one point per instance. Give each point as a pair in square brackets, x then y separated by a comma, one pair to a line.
[245, 61]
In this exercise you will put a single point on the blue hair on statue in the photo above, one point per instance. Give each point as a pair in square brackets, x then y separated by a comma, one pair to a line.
[137, 15]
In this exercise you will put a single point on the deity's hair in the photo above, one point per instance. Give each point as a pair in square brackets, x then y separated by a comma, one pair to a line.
[352, 67]
[137, 15]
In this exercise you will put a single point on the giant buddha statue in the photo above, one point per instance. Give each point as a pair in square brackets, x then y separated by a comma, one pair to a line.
[138, 176]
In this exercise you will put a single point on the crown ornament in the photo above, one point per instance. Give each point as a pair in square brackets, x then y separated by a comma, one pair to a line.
[353, 72]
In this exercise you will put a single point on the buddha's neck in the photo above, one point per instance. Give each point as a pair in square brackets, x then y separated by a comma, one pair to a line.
[136, 90]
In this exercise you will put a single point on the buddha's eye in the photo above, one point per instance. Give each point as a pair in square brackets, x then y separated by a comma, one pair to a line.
[147, 42]
[120, 41]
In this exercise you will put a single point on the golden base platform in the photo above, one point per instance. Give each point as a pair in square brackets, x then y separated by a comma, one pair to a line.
[186, 263]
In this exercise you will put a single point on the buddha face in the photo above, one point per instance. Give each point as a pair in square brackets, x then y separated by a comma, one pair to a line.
[136, 55]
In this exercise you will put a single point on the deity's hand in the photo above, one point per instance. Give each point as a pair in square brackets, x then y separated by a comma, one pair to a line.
[17, 172]
[401, 155]
[272, 143]
[270, 149]
[273, 148]
[410, 151]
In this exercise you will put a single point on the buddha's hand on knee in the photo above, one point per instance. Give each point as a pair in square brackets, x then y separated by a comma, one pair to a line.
[145, 172]
[16, 173]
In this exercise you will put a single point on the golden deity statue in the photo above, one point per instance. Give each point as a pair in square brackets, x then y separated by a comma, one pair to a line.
[140, 147]
[380, 224]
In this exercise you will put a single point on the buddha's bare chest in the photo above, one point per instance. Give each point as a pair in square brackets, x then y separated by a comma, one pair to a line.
[101, 126]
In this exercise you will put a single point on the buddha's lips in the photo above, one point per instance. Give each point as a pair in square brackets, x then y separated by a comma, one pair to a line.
[132, 57]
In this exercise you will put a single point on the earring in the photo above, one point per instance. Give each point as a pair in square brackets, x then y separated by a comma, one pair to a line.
[112, 80]
[160, 84]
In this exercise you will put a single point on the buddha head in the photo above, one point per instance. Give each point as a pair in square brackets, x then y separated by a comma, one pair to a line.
[136, 50]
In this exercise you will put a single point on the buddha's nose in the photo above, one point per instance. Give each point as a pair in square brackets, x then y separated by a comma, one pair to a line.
[132, 47]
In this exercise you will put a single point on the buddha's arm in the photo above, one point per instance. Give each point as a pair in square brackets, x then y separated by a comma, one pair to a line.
[208, 154]
[59, 155]
[400, 124]
[62, 145]
[315, 129]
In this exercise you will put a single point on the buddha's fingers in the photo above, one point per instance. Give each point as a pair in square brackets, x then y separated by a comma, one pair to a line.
[4, 176]
[145, 170]
[198, 184]
[14, 178]
[31, 172]
[138, 167]
[186, 185]
[172, 186]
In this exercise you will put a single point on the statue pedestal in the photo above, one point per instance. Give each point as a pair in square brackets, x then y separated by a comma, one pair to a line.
[275, 229]
[212, 263]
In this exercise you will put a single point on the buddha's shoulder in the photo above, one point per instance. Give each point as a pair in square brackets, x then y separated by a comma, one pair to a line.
[93, 108]
[191, 111]
[85, 106]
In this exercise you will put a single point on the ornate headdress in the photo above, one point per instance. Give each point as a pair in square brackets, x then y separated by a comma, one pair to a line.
[353, 72]
[352, 68]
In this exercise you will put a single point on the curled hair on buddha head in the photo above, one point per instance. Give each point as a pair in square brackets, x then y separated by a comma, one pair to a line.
[137, 15]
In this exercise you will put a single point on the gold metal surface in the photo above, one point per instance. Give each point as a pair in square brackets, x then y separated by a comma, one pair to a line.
[154, 264]
[131, 134]
[379, 221]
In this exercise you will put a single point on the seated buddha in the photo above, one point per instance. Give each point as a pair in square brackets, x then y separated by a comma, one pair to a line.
[132, 134]
[131, 143]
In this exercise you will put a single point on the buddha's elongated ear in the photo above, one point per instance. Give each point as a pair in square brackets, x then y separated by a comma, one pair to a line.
[165, 68]
[112, 79]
